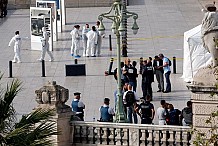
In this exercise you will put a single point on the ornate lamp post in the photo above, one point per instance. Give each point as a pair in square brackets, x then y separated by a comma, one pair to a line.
[117, 14]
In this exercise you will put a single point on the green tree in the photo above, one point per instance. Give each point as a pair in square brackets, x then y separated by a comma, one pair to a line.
[34, 129]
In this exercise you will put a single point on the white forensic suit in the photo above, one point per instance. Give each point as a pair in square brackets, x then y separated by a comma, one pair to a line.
[75, 41]
[98, 47]
[92, 42]
[45, 46]
[84, 38]
[17, 46]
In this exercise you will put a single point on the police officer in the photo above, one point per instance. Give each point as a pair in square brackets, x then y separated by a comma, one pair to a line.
[1, 8]
[146, 111]
[78, 106]
[147, 79]
[106, 112]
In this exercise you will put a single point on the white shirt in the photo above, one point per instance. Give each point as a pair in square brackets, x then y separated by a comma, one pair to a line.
[110, 110]
[80, 103]
[161, 113]
[124, 96]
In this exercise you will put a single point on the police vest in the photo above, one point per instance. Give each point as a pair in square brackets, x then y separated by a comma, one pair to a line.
[105, 116]
[75, 106]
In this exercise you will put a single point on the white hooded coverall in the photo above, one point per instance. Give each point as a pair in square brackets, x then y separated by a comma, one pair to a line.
[75, 42]
[17, 46]
[92, 42]
[84, 38]
[45, 45]
[98, 47]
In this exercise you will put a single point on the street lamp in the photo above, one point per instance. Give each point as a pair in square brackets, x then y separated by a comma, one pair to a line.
[117, 14]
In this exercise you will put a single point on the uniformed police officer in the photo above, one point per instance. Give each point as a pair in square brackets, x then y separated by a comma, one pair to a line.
[78, 106]
[106, 112]
[147, 79]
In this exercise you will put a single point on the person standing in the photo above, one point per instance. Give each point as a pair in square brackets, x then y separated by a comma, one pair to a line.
[4, 8]
[187, 115]
[98, 47]
[147, 79]
[146, 111]
[158, 70]
[85, 30]
[106, 112]
[17, 46]
[92, 42]
[132, 75]
[162, 113]
[78, 106]
[167, 72]
[45, 45]
[75, 41]
[129, 99]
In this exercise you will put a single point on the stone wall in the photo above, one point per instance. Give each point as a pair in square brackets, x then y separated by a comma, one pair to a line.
[25, 4]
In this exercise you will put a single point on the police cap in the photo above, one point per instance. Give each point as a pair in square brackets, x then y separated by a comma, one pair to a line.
[76, 93]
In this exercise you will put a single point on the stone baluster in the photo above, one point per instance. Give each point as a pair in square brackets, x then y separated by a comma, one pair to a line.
[171, 138]
[143, 137]
[178, 136]
[98, 135]
[157, 138]
[111, 137]
[94, 135]
[150, 137]
[104, 135]
[164, 138]
[125, 137]
[118, 137]
[185, 138]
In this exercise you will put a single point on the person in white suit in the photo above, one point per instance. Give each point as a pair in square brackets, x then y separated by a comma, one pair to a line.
[45, 45]
[75, 41]
[85, 30]
[17, 46]
[92, 41]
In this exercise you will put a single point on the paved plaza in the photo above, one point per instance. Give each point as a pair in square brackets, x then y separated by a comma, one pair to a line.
[162, 24]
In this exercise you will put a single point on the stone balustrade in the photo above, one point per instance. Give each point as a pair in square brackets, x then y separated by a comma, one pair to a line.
[100, 133]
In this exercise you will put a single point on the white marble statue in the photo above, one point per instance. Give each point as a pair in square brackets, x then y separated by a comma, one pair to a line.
[209, 32]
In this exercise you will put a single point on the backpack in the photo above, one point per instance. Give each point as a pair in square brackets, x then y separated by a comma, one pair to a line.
[170, 63]
[130, 98]
[145, 110]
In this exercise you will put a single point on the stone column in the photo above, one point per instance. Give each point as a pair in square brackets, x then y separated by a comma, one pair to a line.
[53, 96]
[204, 97]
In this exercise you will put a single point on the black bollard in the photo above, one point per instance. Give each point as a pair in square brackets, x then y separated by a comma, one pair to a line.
[174, 65]
[10, 69]
[110, 43]
[76, 61]
[110, 67]
[43, 68]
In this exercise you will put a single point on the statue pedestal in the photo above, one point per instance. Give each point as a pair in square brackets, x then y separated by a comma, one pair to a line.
[204, 97]
[52, 96]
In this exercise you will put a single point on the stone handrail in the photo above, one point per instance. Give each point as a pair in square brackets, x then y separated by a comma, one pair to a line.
[102, 133]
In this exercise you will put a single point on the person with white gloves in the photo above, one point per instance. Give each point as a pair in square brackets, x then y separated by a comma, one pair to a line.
[98, 47]
[75, 41]
[45, 45]
[92, 41]
[85, 30]
[17, 46]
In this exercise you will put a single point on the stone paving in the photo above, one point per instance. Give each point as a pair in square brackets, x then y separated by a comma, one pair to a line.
[162, 24]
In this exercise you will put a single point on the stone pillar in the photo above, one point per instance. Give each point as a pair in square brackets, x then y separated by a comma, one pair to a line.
[53, 96]
[204, 97]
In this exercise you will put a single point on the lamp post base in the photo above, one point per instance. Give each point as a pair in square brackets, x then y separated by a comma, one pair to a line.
[120, 118]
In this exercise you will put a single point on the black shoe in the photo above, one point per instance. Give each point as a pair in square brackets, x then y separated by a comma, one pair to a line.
[166, 91]
[158, 90]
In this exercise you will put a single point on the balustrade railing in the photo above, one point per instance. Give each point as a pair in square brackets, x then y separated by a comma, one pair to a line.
[100, 133]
